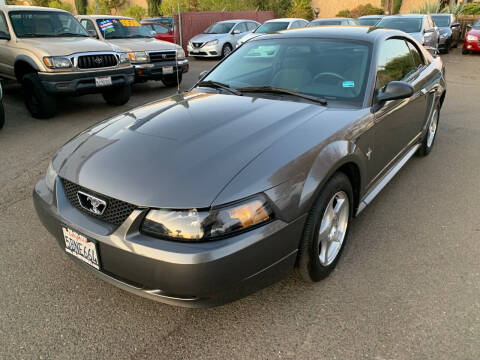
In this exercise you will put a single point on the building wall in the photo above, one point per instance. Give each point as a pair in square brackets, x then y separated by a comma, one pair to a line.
[330, 8]
[409, 5]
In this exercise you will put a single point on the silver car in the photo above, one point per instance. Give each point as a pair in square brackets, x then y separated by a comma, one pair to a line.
[274, 25]
[421, 27]
[221, 38]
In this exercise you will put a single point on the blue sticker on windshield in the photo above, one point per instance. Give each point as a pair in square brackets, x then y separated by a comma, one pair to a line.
[348, 84]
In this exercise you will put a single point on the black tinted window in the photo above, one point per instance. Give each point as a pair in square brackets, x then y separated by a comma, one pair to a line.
[409, 25]
[395, 62]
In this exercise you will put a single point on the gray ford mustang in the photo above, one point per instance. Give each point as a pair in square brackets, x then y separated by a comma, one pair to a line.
[206, 196]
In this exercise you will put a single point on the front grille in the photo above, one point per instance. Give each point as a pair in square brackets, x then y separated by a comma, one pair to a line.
[162, 56]
[96, 61]
[116, 211]
[197, 45]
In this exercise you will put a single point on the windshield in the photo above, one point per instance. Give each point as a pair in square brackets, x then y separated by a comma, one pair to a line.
[122, 29]
[332, 69]
[219, 28]
[477, 25]
[325, 22]
[411, 25]
[441, 21]
[45, 24]
[368, 21]
[270, 27]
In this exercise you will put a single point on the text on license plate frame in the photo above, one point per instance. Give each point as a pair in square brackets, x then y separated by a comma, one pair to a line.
[103, 81]
[166, 70]
[79, 246]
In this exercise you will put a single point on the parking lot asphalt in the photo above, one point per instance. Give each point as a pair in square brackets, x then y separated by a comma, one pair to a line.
[407, 286]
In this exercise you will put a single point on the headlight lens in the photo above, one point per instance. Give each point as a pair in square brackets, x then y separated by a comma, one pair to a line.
[194, 226]
[443, 36]
[57, 62]
[123, 58]
[472, 38]
[50, 177]
[138, 56]
[180, 54]
[213, 42]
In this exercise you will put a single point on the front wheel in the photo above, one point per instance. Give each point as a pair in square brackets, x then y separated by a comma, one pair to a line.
[226, 50]
[40, 104]
[117, 96]
[326, 229]
[429, 139]
[465, 51]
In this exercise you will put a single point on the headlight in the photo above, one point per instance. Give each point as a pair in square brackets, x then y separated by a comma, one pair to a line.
[138, 56]
[180, 54]
[57, 62]
[443, 36]
[50, 177]
[123, 58]
[213, 42]
[194, 226]
[472, 38]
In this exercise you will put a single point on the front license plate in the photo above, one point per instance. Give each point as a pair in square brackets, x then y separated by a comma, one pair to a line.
[103, 81]
[80, 247]
[167, 70]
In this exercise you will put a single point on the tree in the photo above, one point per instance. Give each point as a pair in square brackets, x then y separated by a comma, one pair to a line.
[81, 6]
[301, 9]
[154, 7]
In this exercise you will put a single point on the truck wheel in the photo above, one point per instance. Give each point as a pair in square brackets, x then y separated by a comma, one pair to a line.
[171, 80]
[40, 104]
[2, 116]
[117, 96]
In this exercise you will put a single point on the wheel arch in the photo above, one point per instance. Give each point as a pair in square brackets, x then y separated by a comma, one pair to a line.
[24, 65]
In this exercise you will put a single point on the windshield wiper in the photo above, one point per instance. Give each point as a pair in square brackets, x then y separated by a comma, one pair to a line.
[275, 90]
[66, 34]
[219, 85]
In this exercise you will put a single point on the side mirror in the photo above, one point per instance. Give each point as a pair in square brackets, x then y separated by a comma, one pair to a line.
[395, 90]
[433, 51]
[93, 34]
[455, 25]
[235, 32]
[469, 26]
[202, 75]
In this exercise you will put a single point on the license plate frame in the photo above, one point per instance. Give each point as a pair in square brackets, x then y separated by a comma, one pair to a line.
[81, 247]
[167, 70]
[103, 81]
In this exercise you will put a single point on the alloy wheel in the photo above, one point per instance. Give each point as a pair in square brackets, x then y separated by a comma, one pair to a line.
[432, 128]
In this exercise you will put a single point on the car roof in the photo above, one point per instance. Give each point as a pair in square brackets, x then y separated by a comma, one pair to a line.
[106, 17]
[353, 32]
[234, 21]
[9, 8]
[285, 20]
[411, 16]
[371, 16]
[333, 18]
[443, 14]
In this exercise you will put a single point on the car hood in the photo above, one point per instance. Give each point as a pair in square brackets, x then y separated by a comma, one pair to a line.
[179, 152]
[445, 30]
[475, 32]
[202, 38]
[142, 44]
[418, 36]
[248, 37]
[67, 45]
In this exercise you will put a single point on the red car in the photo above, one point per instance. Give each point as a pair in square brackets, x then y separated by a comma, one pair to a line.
[472, 39]
[161, 31]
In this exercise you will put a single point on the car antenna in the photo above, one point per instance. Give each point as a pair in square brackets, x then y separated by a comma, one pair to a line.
[176, 50]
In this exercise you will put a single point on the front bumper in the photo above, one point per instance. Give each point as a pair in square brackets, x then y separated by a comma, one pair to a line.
[80, 83]
[472, 45]
[445, 43]
[154, 71]
[185, 274]
[211, 51]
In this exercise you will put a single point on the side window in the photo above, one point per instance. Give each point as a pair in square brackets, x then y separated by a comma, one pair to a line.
[394, 62]
[417, 57]
[3, 26]
[294, 25]
[252, 26]
[160, 29]
[88, 25]
[242, 27]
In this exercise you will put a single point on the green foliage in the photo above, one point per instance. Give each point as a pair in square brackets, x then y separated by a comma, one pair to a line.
[154, 7]
[343, 13]
[301, 9]
[81, 6]
[134, 11]
[43, 3]
[397, 5]
[102, 8]
[59, 4]
[428, 7]
[456, 9]
[361, 10]
[471, 9]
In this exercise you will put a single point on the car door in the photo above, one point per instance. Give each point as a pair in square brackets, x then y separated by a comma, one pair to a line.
[239, 31]
[5, 50]
[397, 122]
[429, 33]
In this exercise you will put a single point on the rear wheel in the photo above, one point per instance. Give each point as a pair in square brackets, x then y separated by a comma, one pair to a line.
[326, 229]
[429, 139]
[171, 80]
[117, 96]
[40, 104]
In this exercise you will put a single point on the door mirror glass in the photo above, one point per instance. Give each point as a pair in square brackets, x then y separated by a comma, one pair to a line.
[395, 90]
[236, 32]
[202, 75]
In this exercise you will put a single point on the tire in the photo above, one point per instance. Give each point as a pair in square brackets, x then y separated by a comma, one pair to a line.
[312, 263]
[117, 96]
[465, 51]
[2, 115]
[40, 104]
[171, 80]
[431, 134]
[226, 50]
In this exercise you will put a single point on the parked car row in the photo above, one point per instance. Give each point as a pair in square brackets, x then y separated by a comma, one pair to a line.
[51, 54]
[472, 39]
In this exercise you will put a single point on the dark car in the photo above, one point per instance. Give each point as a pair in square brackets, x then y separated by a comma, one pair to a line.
[333, 21]
[162, 32]
[471, 42]
[208, 195]
[2, 112]
[449, 29]
[369, 20]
